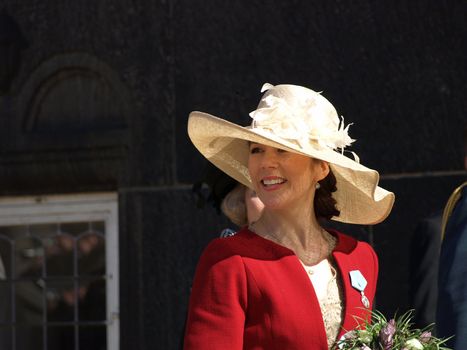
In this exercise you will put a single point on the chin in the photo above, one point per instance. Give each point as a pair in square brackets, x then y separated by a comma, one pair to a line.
[274, 202]
[274, 205]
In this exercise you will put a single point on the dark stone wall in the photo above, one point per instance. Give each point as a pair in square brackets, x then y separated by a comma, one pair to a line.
[396, 70]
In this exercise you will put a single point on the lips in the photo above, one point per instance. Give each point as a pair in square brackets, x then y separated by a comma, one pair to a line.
[272, 182]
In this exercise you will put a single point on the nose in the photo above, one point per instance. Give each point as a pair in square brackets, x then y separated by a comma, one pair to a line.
[269, 158]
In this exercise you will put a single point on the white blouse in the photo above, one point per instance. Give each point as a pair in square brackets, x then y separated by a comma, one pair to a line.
[328, 289]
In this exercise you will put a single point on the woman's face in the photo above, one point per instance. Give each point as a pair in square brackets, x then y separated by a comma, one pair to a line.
[284, 179]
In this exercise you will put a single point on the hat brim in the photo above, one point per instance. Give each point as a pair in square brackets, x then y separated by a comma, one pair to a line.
[225, 144]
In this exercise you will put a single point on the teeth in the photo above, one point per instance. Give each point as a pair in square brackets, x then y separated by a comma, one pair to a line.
[273, 181]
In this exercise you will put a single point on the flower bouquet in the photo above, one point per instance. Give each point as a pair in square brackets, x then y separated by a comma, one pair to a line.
[395, 334]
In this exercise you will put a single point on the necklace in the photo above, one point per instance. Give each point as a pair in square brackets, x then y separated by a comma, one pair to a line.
[308, 257]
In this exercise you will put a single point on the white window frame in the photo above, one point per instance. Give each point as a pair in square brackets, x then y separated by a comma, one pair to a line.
[76, 208]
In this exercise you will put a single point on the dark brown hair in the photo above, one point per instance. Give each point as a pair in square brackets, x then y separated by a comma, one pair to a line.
[324, 203]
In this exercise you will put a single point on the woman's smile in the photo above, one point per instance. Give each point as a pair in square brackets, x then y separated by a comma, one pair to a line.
[272, 183]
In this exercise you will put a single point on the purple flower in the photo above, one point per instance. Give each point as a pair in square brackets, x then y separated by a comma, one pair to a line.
[386, 334]
[425, 337]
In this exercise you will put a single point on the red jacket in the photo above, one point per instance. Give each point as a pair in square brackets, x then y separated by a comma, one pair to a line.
[251, 293]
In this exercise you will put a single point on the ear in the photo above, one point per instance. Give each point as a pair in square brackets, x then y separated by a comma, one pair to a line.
[322, 169]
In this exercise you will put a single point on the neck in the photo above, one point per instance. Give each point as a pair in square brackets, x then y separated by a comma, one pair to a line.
[298, 230]
[299, 226]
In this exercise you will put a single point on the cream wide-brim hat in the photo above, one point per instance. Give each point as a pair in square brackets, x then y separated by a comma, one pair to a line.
[225, 144]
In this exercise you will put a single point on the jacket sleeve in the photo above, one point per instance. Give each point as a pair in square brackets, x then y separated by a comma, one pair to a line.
[216, 315]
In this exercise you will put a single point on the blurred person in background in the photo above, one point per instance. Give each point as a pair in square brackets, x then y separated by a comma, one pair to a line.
[423, 269]
[452, 279]
[236, 201]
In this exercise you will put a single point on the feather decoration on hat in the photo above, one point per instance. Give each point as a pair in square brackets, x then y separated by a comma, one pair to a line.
[304, 119]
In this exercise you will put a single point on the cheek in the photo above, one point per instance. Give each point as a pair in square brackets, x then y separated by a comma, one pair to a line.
[304, 178]
[305, 182]
[252, 166]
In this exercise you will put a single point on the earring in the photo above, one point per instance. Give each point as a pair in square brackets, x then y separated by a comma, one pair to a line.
[318, 186]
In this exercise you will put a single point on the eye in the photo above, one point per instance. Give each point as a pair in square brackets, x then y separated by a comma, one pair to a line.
[254, 148]
[281, 150]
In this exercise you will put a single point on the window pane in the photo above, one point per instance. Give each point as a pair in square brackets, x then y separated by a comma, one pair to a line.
[42, 230]
[91, 307]
[62, 299]
[14, 231]
[98, 226]
[29, 302]
[59, 252]
[29, 257]
[91, 251]
[75, 228]
[5, 257]
[29, 338]
[5, 303]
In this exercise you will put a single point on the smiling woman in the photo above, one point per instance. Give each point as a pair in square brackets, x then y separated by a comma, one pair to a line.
[283, 281]
[284, 178]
